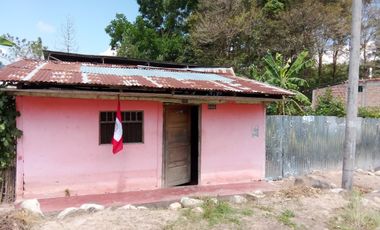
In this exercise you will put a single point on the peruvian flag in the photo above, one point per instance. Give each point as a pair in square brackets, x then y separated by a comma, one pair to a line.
[117, 140]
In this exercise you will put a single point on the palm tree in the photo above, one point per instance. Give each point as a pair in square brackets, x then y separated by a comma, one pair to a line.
[284, 73]
[5, 42]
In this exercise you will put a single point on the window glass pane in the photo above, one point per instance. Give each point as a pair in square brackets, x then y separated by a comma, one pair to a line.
[139, 116]
[133, 116]
[103, 116]
[132, 127]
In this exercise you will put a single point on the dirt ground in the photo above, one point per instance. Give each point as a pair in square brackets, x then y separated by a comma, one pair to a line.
[307, 202]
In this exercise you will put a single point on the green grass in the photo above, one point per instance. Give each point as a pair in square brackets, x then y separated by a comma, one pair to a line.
[286, 218]
[221, 212]
[355, 216]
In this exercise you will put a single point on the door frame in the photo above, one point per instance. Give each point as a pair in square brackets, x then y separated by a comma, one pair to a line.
[164, 153]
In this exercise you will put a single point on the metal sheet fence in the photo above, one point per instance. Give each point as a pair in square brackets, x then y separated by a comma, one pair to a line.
[297, 145]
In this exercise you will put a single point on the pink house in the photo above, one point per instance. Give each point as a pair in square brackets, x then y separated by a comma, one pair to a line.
[184, 125]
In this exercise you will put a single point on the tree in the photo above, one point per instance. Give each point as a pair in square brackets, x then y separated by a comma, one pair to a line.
[23, 49]
[222, 32]
[370, 22]
[284, 73]
[159, 33]
[68, 33]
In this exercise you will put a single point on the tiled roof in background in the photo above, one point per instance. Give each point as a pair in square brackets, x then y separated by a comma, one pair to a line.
[82, 73]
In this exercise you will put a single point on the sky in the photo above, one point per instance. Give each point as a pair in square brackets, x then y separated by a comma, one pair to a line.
[44, 18]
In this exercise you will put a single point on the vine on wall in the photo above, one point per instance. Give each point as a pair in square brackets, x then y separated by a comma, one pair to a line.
[8, 130]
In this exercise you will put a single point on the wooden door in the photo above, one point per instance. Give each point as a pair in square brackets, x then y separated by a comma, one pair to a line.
[177, 145]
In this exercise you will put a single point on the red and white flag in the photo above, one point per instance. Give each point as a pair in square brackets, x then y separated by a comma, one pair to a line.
[117, 140]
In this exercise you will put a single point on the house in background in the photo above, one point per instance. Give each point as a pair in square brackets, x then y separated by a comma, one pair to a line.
[368, 92]
[183, 125]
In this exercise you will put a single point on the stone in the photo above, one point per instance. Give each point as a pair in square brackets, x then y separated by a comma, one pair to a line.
[371, 173]
[377, 173]
[142, 208]
[214, 200]
[298, 181]
[365, 202]
[360, 170]
[92, 207]
[256, 194]
[66, 212]
[175, 206]
[237, 199]
[127, 207]
[32, 206]
[197, 210]
[337, 190]
[191, 202]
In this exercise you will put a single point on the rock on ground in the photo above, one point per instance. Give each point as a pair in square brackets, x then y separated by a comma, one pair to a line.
[237, 199]
[92, 207]
[175, 206]
[256, 194]
[313, 182]
[32, 205]
[67, 212]
[214, 200]
[142, 208]
[128, 207]
[197, 210]
[191, 202]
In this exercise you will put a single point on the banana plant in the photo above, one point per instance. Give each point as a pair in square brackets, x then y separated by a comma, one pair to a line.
[5, 42]
[285, 73]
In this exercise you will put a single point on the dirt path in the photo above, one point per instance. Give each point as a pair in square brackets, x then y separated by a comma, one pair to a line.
[299, 206]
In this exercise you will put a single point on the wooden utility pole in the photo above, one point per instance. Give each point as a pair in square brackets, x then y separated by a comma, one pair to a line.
[352, 98]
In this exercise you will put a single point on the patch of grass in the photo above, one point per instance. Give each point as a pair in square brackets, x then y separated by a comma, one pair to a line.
[286, 218]
[220, 212]
[247, 212]
[264, 208]
[356, 216]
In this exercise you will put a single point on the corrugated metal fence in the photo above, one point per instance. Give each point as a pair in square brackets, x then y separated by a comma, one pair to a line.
[297, 145]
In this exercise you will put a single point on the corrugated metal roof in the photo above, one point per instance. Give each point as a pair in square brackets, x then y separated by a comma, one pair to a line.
[75, 73]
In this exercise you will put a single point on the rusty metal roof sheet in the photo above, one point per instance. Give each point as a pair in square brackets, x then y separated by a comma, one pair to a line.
[79, 73]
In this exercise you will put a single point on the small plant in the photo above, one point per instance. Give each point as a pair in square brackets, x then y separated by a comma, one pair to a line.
[286, 218]
[247, 212]
[356, 216]
[67, 193]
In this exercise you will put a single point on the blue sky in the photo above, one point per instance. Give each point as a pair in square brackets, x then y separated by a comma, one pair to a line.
[44, 18]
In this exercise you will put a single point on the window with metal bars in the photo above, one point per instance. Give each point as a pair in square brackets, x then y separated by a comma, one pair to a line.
[132, 122]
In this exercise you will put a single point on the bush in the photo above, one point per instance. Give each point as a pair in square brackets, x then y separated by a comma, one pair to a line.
[369, 112]
[327, 105]
[8, 130]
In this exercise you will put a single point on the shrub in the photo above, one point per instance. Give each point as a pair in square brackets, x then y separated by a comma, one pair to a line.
[8, 131]
[327, 105]
[369, 112]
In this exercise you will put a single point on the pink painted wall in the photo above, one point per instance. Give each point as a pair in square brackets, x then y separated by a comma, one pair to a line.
[232, 143]
[60, 149]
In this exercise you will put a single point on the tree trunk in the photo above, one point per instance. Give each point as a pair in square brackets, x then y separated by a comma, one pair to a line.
[320, 56]
[352, 98]
[335, 60]
[365, 69]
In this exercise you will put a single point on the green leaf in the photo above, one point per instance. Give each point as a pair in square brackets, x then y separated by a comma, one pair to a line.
[5, 42]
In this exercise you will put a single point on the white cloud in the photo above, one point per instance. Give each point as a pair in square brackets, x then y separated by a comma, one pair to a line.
[45, 27]
[108, 52]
